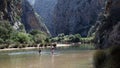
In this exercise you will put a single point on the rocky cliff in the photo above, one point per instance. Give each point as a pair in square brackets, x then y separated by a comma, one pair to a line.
[108, 32]
[76, 16]
[45, 9]
[11, 10]
[31, 19]
[20, 12]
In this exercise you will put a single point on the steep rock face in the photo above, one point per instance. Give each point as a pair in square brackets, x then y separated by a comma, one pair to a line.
[108, 33]
[11, 10]
[31, 19]
[20, 13]
[45, 9]
[76, 16]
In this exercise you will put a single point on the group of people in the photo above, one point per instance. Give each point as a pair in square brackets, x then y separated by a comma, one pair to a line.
[52, 48]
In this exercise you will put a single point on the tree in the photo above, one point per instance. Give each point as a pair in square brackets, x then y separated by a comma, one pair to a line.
[38, 36]
[6, 30]
[35, 32]
[22, 37]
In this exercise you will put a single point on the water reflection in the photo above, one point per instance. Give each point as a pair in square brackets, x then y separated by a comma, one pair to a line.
[52, 61]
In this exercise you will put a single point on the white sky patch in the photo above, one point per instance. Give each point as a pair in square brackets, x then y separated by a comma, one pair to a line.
[32, 2]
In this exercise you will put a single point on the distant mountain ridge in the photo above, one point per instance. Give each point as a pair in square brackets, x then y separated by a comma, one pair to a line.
[76, 16]
[45, 9]
[69, 16]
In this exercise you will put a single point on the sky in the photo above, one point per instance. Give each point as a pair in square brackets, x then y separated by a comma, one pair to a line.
[32, 2]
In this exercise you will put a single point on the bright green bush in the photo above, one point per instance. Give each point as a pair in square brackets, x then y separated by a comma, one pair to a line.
[66, 38]
[38, 36]
[21, 37]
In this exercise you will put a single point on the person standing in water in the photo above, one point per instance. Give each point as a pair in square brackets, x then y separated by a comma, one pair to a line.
[39, 50]
[53, 48]
[40, 46]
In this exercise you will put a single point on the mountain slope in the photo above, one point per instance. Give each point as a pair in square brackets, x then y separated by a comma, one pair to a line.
[45, 9]
[76, 16]
[108, 33]
[31, 19]
[11, 10]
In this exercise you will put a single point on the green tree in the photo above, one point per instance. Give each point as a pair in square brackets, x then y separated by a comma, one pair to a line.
[6, 30]
[22, 37]
[38, 36]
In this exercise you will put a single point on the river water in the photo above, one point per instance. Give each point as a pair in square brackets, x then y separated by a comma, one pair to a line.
[68, 57]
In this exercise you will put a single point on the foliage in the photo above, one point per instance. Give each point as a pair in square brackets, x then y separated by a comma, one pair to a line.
[66, 38]
[21, 28]
[38, 36]
[87, 39]
[6, 30]
[10, 36]
[75, 38]
[1, 41]
[21, 37]
[35, 32]
[47, 40]
[71, 39]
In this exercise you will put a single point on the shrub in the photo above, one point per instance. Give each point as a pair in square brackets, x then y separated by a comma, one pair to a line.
[6, 45]
[34, 45]
[1, 41]
[41, 45]
[21, 37]
[22, 46]
[14, 46]
[2, 46]
[39, 36]
[9, 41]
[6, 30]
[30, 45]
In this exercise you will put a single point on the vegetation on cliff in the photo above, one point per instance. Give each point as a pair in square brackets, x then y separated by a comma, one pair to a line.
[107, 37]
[107, 33]
[9, 36]
[13, 29]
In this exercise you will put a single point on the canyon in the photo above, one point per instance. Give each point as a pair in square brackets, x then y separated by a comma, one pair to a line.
[69, 17]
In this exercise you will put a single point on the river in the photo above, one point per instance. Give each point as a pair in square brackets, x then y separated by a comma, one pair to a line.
[65, 57]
